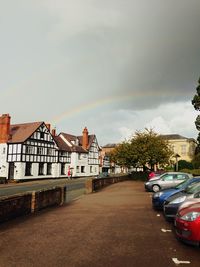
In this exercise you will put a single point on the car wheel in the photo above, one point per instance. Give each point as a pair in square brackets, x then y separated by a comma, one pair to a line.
[155, 188]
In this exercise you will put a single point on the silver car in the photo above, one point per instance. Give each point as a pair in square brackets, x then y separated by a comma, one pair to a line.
[166, 180]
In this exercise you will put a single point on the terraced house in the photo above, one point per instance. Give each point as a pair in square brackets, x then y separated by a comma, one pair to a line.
[33, 151]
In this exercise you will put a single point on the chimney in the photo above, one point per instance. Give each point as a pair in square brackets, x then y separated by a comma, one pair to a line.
[4, 128]
[53, 132]
[85, 138]
[48, 125]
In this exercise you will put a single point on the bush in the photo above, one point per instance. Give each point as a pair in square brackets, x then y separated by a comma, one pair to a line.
[183, 164]
[142, 176]
[194, 172]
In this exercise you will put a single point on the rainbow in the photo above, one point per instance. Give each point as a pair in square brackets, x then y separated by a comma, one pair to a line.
[105, 101]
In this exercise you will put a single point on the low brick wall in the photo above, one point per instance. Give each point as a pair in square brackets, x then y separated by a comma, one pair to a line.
[48, 198]
[97, 184]
[31, 202]
[15, 206]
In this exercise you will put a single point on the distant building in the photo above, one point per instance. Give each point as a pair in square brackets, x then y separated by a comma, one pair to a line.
[182, 146]
[33, 151]
[106, 164]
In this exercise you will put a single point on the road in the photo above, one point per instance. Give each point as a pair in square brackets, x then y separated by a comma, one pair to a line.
[113, 227]
[12, 189]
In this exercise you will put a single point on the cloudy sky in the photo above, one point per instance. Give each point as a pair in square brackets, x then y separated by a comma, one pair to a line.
[115, 66]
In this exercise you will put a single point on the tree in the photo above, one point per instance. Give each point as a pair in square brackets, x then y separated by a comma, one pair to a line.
[150, 148]
[196, 104]
[145, 148]
[123, 155]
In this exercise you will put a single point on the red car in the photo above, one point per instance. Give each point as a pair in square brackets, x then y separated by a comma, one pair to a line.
[187, 222]
[154, 174]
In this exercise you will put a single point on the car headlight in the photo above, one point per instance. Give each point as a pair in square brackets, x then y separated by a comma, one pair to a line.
[147, 183]
[178, 200]
[191, 216]
[158, 194]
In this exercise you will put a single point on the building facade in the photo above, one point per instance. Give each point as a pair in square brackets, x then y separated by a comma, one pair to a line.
[183, 147]
[33, 151]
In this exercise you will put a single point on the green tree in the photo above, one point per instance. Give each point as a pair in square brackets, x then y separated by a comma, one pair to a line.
[145, 148]
[151, 149]
[196, 104]
[123, 155]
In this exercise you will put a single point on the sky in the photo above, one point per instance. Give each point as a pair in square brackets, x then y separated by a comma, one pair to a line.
[115, 66]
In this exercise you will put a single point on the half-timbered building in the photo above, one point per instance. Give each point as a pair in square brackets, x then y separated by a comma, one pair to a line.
[33, 151]
[84, 153]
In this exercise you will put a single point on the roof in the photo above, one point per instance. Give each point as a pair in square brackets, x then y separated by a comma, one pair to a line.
[61, 144]
[109, 146]
[78, 148]
[19, 133]
[173, 136]
[91, 138]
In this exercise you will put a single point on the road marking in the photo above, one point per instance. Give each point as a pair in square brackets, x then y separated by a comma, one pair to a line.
[165, 230]
[176, 261]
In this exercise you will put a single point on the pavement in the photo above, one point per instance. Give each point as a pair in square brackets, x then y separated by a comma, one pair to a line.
[113, 227]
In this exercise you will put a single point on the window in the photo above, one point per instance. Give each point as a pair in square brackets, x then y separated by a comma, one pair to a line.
[77, 169]
[183, 149]
[168, 177]
[29, 150]
[82, 169]
[40, 150]
[62, 168]
[28, 169]
[4, 150]
[79, 156]
[41, 135]
[181, 176]
[49, 168]
[90, 169]
[41, 169]
[49, 151]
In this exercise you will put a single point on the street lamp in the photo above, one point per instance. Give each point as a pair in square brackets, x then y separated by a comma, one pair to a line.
[176, 157]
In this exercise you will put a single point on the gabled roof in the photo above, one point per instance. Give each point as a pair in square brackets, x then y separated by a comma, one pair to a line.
[19, 133]
[61, 144]
[78, 148]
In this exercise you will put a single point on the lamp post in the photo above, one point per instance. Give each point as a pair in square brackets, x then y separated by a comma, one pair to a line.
[176, 157]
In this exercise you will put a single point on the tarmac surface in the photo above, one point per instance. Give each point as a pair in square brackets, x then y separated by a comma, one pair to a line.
[113, 227]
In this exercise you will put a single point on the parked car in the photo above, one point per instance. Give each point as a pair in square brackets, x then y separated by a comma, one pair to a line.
[154, 174]
[166, 180]
[187, 223]
[173, 202]
[159, 197]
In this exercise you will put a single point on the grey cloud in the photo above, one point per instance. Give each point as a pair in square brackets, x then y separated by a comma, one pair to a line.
[58, 55]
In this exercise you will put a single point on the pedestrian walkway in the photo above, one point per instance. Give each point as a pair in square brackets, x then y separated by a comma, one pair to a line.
[113, 227]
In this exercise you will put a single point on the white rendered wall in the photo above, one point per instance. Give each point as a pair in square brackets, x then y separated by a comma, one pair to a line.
[3, 163]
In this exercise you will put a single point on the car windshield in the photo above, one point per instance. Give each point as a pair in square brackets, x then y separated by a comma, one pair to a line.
[191, 189]
[182, 184]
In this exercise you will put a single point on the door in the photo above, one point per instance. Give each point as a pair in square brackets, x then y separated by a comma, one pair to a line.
[167, 181]
[11, 170]
[179, 178]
